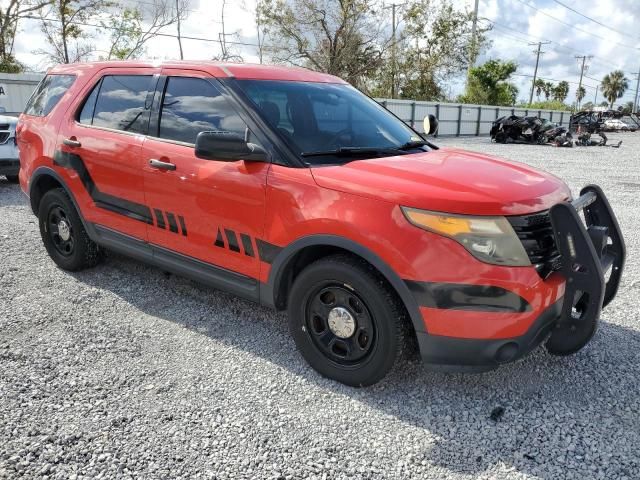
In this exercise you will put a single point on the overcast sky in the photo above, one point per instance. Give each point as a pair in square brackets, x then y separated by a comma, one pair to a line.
[516, 24]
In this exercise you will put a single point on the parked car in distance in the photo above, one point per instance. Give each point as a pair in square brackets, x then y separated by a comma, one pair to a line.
[617, 125]
[292, 189]
[9, 160]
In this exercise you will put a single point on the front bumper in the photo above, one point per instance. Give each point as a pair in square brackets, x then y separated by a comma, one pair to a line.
[592, 256]
[9, 166]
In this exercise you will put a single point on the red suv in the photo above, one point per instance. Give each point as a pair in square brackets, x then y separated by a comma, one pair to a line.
[293, 189]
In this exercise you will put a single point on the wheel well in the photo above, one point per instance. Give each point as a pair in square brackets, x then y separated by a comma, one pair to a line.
[43, 184]
[307, 256]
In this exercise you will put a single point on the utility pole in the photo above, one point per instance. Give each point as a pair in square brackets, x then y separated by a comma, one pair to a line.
[595, 97]
[474, 27]
[393, 7]
[538, 52]
[583, 68]
[635, 101]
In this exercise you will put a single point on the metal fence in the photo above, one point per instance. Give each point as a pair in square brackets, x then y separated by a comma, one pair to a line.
[463, 119]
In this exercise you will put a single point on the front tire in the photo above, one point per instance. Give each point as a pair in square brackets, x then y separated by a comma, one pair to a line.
[346, 321]
[63, 233]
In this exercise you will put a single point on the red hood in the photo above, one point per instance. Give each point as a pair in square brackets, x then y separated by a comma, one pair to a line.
[448, 180]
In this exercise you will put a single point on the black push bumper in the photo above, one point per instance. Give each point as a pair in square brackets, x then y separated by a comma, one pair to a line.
[592, 256]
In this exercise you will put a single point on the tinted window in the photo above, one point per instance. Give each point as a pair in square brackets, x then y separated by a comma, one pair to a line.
[315, 117]
[47, 94]
[193, 105]
[121, 103]
[86, 114]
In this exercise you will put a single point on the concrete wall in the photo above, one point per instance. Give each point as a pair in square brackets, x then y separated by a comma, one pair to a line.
[463, 119]
[15, 90]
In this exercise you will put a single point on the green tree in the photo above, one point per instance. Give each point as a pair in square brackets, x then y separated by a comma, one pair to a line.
[580, 93]
[548, 90]
[539, 85]
[62, 26]
[489, 84]
[614, 85]
[11, 13]
[627, 108]
[131, 28]
[436, 44]
[561, 91]
[588, 106]
[345, 38]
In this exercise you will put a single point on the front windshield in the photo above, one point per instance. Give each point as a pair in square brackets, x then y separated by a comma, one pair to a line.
[322, 121]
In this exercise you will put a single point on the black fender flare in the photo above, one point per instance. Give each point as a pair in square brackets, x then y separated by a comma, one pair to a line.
[281, 261]
[40, 172]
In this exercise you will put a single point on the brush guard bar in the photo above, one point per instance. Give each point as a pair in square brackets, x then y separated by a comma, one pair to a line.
[590, 251]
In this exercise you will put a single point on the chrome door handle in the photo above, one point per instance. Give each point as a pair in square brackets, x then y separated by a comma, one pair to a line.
[71, 143]
[161, 165]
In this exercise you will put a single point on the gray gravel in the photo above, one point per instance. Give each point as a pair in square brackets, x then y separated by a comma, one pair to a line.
[122, 371]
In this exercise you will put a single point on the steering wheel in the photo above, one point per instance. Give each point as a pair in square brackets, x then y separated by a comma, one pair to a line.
[334, 139]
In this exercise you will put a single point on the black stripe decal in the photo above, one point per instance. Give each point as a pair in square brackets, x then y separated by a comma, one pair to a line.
[183, 225]
[267, 251]
[173, 226]
[459, 296]
[159, 218]
[246, 244]
[219, 241]
[232, 240]
[102, 200]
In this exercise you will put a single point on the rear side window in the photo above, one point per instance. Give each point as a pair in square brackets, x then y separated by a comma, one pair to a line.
[48, 93]
[193, 105]
[120, 103]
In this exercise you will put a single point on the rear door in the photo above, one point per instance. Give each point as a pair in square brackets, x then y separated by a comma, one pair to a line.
[209, 210]
[99, 146]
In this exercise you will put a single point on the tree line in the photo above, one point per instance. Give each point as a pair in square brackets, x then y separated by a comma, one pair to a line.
[411, 50]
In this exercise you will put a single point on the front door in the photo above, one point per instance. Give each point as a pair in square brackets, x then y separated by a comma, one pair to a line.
[212, 211]
[100, 150]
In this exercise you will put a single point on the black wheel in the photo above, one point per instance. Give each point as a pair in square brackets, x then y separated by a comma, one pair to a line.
[345, 320]
[12, 178]
[63, 234]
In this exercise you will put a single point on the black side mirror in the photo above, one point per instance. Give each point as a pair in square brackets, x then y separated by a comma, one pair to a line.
[430, 124]
[227, 147]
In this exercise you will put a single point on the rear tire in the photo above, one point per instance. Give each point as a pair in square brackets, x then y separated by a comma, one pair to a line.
[346, 321]
[63, 233]
[12, 178]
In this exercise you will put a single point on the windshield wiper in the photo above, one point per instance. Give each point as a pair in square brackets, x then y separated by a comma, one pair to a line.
[352, 151]
[412, 144]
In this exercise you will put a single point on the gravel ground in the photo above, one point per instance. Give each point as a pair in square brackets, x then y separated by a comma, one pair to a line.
[122, 371]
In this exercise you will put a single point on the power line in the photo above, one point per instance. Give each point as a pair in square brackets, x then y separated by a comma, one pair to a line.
[573, 26]
[594, 21]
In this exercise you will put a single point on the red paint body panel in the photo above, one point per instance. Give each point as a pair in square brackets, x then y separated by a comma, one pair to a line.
[359, 201]
[449, 180]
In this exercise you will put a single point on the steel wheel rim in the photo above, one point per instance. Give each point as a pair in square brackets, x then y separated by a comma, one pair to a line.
[60, 231]
[341, 305]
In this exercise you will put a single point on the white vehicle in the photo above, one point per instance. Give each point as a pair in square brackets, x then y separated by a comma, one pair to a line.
[9, 161]
[616, 125]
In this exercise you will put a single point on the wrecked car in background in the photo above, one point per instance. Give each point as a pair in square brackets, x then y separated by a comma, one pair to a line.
[516, 129]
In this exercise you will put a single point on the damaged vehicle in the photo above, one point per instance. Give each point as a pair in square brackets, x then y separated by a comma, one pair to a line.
[517, 129]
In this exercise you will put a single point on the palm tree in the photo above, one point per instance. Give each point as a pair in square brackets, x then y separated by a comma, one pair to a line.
[561, 91]
[580, 93]
[539, 85]
[614, 85]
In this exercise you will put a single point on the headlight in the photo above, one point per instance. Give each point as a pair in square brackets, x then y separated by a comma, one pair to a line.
[489, 239]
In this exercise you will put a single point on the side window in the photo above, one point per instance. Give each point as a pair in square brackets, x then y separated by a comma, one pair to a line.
[47, 94]
[120, 103]
[86, 114]
[193, 105]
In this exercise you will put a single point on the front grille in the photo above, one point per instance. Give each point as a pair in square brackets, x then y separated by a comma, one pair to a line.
[536, 234]
[4, 136]
[4, 126]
